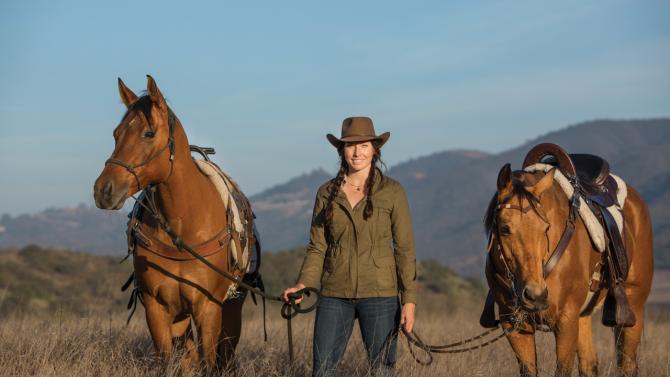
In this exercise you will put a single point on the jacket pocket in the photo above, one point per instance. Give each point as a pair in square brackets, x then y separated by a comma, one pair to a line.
[386, 274]
[382, 215]
[331, 257]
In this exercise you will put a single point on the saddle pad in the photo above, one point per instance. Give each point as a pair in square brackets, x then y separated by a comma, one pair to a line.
[226, 186]
[596, 231]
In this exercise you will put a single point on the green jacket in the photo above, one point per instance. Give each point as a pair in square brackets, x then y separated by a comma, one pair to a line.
[355, 258]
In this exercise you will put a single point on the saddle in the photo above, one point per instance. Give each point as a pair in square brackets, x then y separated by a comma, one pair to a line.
[590, 176]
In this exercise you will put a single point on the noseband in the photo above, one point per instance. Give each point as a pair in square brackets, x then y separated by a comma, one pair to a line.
[170, 144]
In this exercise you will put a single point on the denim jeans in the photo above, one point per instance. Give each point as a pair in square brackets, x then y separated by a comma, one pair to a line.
[378, 319]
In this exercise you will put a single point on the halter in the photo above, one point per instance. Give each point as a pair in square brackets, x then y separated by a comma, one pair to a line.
[170, 144]
[556, 254]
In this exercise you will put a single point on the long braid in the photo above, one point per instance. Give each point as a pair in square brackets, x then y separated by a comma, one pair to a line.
[368, 188]
[377, 158]
[335, 185]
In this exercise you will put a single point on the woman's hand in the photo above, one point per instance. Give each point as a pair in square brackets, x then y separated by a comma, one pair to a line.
[295, 288]
[407, 316]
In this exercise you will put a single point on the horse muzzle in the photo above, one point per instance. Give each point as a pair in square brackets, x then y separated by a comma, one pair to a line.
[109, 195]
[534, 299]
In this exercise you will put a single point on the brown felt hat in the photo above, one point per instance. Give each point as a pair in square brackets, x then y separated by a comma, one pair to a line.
[358, 129]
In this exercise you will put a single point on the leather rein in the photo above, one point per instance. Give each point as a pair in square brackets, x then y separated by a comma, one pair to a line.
[414, 340]
[289, 309]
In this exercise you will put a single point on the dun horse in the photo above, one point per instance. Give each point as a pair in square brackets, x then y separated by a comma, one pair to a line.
[152, 151]
[526, 221]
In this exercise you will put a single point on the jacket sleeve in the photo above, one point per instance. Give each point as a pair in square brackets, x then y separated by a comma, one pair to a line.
[312, 265]
[403, 242]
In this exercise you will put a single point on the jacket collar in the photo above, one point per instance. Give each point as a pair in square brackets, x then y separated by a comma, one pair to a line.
[341, 198]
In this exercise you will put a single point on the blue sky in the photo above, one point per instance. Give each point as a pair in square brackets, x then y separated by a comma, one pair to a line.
[263, 82]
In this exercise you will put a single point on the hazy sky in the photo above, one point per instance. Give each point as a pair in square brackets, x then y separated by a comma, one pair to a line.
[263, 82]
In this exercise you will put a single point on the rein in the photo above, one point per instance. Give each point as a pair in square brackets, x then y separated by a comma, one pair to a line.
[413, 340]
[519, 314]
[289, 309]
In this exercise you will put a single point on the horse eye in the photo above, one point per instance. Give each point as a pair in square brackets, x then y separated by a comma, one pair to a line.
[149, 134]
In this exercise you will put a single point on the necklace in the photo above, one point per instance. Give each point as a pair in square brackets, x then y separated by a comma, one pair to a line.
[357, 188]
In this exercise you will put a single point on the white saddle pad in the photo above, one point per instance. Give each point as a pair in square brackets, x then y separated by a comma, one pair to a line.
[225, 186]
[594, 228]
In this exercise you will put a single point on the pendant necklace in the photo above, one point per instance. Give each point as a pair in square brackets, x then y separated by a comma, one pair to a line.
[357, 188]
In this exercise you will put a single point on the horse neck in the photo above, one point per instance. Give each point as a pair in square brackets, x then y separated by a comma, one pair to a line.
[187, 199]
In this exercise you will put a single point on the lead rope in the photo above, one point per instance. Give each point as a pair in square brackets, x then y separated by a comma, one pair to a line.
[288, 310]
[413, 340]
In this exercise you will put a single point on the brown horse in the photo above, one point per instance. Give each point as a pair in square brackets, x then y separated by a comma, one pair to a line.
[152, 151]
[526, 220]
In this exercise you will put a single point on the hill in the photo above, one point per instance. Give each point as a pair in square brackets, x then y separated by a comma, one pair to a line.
[448, 192]
[39, 280]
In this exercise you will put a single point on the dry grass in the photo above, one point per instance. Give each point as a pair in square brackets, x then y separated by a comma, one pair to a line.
[104, 346]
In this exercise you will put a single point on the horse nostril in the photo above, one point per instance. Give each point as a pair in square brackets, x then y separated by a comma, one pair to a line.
[534, 295]
[108, 189]
[527, 295]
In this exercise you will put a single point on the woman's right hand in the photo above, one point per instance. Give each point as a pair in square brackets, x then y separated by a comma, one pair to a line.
[295, 288]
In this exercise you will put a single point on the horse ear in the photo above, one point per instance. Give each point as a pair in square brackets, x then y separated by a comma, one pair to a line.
[543, 184]
[127, 95]
[155, 94]
[504, 178]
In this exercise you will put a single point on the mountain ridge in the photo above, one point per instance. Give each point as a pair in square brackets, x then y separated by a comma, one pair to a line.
[447, 190]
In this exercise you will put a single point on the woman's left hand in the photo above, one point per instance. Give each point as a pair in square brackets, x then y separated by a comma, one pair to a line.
[407, 316]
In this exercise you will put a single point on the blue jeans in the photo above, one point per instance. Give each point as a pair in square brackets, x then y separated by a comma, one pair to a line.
[378, 319]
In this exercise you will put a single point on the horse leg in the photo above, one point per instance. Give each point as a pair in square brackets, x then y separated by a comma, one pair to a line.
[627, 339]
[231, 322]
[208, 322]
[588, 360]
[182, 335]
[159, 321]
[523, 345]
[566, 335]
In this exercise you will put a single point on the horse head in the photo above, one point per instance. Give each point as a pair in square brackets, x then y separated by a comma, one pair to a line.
[518, 223]
[144, 150]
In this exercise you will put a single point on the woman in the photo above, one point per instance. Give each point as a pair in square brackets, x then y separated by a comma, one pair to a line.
[361, 253]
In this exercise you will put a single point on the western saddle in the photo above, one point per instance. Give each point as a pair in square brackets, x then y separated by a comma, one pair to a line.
[591, 179]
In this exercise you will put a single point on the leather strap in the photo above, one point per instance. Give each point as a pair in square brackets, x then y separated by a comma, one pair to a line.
[208, 248]
[565, 238]
[616, 245]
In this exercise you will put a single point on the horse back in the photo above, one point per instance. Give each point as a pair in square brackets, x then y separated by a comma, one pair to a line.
[639, 242]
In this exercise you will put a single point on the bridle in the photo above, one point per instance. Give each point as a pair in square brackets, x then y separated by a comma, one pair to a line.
[169, 145]
[508, 280]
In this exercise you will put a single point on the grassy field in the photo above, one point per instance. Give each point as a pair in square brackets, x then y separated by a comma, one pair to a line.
[102, 345]
[61, 314]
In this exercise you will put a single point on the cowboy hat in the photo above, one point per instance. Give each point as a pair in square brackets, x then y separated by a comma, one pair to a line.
[355, 129]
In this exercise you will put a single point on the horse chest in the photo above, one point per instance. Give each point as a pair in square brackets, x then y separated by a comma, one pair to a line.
[178, 283]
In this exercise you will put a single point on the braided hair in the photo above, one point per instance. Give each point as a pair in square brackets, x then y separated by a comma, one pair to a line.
[336, 183]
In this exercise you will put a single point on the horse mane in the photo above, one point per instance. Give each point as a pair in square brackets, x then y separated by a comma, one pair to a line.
[143, 104]
[518, 190]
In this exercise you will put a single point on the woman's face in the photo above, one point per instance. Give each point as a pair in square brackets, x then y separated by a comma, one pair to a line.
[358, 155]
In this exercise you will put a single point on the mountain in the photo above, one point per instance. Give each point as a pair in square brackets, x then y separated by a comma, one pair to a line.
[448, 193]
[285, 211]
[83, 228]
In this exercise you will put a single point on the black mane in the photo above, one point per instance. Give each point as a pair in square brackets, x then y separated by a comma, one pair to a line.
[519, 191]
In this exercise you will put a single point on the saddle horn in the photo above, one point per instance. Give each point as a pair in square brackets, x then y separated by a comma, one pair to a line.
[539, 152]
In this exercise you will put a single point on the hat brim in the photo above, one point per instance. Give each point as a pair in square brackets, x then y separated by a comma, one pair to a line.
[382, 139]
